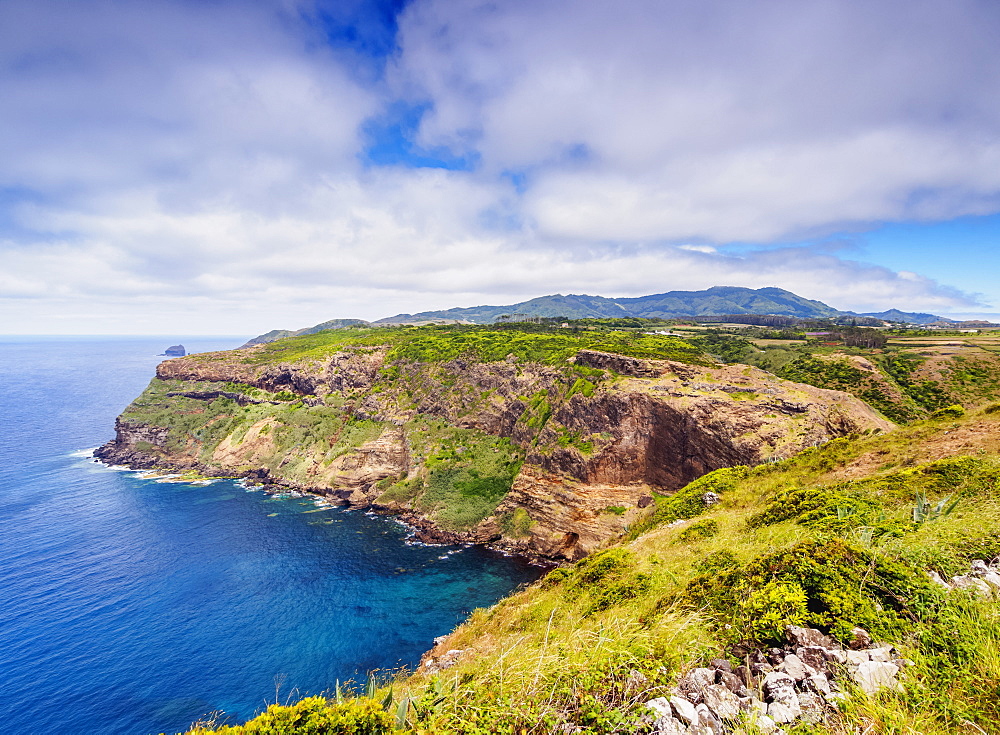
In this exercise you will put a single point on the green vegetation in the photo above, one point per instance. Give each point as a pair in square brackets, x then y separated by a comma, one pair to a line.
[315, 716]
[464, 474]
[526, 342]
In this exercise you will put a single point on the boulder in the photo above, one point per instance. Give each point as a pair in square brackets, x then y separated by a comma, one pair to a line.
[873, 676]
[795, 668]
[721, 701]
[684, 710]
[781, 712]
[798, 636]
[780, 687]
[859, 639]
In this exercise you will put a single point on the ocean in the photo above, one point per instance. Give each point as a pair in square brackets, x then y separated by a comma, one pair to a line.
[130, 605]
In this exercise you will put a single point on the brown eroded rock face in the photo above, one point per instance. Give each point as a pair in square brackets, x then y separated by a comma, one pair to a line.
[656, 433]
[593, 458]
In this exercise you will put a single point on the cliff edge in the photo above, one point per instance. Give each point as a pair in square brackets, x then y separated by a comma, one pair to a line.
[547, 444]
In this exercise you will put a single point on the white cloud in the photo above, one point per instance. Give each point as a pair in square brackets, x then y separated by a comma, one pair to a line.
[722, 121]
[176, 166]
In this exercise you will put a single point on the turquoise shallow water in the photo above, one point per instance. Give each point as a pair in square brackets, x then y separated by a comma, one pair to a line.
[134, 606]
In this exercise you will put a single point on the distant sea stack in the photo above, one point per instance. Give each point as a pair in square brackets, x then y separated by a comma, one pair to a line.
[175, 351]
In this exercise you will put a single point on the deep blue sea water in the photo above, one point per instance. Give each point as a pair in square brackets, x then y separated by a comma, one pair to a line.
[134, 606]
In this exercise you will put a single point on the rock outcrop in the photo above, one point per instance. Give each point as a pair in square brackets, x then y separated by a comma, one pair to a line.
[595, 451]
[802, 682]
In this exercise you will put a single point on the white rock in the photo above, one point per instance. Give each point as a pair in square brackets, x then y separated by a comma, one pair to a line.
[856, 658]
[835, 698]
[992, 578]
[836, 655]
[818, 683]
[669, 726]
[707, 718]
[684, 710]
[872, 676]
[765, 724]
[812, 707]
[883, 654]
[979, 567]
[661, 706]
[721, 700]
[809, 637]
[795, 667]
[860, 639]
[978, 586]
[780, 687]
[781, 712]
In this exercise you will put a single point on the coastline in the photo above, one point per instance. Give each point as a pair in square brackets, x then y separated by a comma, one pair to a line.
[423, 529]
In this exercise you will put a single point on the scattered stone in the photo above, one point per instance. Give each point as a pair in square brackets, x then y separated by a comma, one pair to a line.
[721, 701]
[783, 713]
[765, 724]
[720, 664]
[795, 668]
[733, 683]
[813, 709]
[746, 677]
[759, 669]
[707, 719]
[692, 683]
[835, 698]
[780, 687]
[684, 710]
[872, 676]
[818, 683]
[992, 578]
[979, 567]
[809, 637]
[883, 654]
[974, 584]
[669, 726]
[661, 706]
[856, 658]
[938, 580]
[859, 639]
[836, 655]
[636, 680]
[710, 498]
[812, 656]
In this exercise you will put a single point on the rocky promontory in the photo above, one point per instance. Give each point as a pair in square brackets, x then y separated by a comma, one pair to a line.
[544, 445]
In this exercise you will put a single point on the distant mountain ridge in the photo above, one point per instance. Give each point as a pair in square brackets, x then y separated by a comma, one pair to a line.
[672, 304]
[714, 301]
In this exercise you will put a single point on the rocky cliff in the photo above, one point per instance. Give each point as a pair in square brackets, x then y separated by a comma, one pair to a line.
[549, 455]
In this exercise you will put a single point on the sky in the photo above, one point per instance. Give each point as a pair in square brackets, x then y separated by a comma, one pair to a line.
[236, 166]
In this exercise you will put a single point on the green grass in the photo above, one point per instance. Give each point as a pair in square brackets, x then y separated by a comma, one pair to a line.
[548, 346]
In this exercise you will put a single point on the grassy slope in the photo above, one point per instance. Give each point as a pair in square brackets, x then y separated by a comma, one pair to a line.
[589, 643]
[912, 378]
[563, 650]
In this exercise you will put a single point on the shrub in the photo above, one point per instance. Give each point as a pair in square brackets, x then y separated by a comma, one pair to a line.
[844, 586]
[516, 524]
[767, 610]
[949, 412]
[315, 716]
[698, 531]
